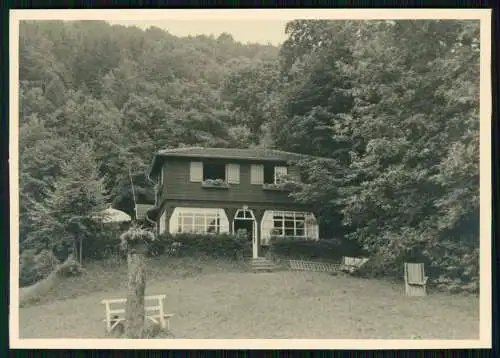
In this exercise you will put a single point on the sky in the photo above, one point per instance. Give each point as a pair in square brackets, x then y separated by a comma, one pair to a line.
[261, 31]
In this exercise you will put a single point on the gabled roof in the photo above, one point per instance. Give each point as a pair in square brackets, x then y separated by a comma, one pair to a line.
[256, 154]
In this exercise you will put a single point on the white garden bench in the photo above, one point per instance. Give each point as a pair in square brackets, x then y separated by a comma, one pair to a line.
[154, 312]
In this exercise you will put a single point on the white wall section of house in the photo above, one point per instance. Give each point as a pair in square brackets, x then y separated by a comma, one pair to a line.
[288, 223]
[198, 220]
[196, 172]
[163, 221]
[233, 173]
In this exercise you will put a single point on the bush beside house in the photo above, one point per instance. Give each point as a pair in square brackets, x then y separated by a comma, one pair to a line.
[221, 246]
[324, 250]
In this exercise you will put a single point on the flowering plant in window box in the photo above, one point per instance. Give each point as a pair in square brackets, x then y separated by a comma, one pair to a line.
[284, 186]
[283, 183]
[215, 183]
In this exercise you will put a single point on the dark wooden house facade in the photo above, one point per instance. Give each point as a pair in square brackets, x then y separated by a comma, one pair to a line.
[216, 190]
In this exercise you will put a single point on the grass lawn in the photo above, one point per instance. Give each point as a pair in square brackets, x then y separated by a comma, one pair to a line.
[223, 301]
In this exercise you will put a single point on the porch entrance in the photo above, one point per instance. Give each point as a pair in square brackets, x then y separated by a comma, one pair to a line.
[244, 219]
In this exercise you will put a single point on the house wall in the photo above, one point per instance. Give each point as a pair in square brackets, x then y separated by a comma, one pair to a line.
[177, 185]
[263, 216]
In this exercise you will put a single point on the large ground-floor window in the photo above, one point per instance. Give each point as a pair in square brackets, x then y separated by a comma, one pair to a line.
[198, 223]
[198, 220]
[288, 223]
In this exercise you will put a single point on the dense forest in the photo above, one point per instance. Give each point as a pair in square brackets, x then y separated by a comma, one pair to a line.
[392, 105]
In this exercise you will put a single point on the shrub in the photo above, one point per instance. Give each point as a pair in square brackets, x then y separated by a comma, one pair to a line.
[450, 267]
[35, 266]
[225, 246]
[102, 242]
[323, 250]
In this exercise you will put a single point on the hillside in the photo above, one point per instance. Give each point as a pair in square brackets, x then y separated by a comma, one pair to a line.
[395, 103]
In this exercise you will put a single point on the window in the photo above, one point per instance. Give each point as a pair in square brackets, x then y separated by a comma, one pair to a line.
[200, 223]
[269, 174]
[273, 174]
[257, 174]
[233, 173]
[289, 223]
[279, 174]
[214, 171]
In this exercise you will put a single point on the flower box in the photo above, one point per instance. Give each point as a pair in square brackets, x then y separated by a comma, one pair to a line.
[277, 187]
[214, 184]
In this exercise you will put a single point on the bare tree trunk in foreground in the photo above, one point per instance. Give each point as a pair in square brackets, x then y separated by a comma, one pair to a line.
[135, 314]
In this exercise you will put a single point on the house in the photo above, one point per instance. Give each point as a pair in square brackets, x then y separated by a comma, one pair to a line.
[221, 190]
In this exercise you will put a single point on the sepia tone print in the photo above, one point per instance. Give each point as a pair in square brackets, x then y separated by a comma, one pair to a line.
[320, 184]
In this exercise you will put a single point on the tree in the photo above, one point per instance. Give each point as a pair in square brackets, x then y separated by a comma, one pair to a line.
[77, 193]
[399, 115]
[135, 242]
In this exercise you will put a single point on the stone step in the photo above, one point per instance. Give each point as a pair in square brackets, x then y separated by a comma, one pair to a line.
[259, 260]
[261, 264]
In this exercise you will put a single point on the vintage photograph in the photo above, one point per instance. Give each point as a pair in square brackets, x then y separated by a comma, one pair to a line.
[291, 178]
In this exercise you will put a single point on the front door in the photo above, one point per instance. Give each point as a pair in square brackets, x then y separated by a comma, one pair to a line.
[244, 219]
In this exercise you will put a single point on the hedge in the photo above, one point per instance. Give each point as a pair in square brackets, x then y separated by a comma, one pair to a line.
[326, 250]
[225, 246]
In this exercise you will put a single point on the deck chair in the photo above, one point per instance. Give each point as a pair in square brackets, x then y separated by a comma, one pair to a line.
[351, 264]
[415, 279]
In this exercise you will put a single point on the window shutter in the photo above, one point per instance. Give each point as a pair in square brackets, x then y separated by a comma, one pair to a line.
[312, 228]
[257, 174]
[267, 226]
[196, 172]
[233, 173]
[279, 172]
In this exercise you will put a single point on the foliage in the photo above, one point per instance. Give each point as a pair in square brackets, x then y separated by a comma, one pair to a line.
[220, 246]
[35, 266]
[398, 117]
[130, 92]
[329, 250]
[391, 107]
[77, 193]
[134, 236]
[102, 242]
[218, 183]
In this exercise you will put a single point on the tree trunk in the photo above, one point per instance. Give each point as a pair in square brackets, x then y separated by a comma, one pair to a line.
[135, 314]
[80, 251]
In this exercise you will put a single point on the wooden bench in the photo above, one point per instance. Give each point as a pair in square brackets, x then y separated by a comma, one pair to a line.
[154, 312]
[415, 279]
